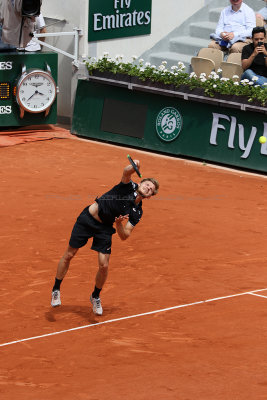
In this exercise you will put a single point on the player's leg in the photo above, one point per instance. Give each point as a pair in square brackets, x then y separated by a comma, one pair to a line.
[80, 234]
[64, 262]
[100, 279]
[62, 269]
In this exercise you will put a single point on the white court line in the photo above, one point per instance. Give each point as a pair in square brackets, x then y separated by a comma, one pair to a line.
[130, 316]
[258, 295]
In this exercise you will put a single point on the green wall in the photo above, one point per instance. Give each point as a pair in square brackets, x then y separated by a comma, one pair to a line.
[10, 70]
[208, 132]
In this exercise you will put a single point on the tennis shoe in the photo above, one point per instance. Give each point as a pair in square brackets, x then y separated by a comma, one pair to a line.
[55, 300]
[96, 302]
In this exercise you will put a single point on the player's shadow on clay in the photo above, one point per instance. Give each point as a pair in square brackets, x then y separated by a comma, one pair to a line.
[85, 312]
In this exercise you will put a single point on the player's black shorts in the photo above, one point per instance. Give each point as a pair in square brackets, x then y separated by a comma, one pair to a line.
[86, 227]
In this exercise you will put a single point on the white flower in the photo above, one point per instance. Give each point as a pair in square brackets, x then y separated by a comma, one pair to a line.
[254, 78]
[174, 68]
[147, 64]
[141, 61]
[236, 83]
[224, 79]
[265, 84]
[203, 79]
[153, 67]
[164, 62]
[134, 58]
[219, 70]
[235, 77]
[105, 54]
[181, 65]
[251, 83]
[203, 74]
[193, 75]
[161, 67]
[214, 86]
[142, 69]
[213, 75]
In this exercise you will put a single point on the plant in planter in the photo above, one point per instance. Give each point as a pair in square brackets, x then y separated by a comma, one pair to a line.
[176, 79]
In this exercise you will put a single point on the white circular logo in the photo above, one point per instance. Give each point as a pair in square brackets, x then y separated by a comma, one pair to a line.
[169, 124]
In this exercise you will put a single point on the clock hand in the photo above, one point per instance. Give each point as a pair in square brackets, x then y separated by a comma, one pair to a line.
[31, 96]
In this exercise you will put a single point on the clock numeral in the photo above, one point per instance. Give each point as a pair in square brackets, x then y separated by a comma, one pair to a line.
[23, 99]
[25, 84]
[42, 104]
[48, 84]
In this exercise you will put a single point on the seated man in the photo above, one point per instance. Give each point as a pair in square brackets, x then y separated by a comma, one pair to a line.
[234, 28]
[254, 58]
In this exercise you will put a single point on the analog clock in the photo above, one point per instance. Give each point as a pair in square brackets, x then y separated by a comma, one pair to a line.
[36, 91]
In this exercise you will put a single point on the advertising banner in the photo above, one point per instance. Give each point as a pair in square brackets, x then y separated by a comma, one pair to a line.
[110, 19]
[172, 125]
[36, 107]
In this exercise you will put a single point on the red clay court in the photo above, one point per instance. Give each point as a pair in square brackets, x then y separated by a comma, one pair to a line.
[185, 304]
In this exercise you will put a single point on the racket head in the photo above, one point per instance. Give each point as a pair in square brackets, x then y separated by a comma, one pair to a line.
[134, 166]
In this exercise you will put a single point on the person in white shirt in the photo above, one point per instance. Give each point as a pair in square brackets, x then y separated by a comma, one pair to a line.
[234, 28]
[39, 26]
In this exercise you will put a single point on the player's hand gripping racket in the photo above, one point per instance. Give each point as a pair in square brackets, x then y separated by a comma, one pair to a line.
[134, 166]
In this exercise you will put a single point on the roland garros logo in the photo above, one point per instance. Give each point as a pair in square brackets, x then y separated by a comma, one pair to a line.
[169, 124]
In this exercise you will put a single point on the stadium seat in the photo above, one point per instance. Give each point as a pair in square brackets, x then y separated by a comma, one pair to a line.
[202, 65]
[259, 21]
[234, 58]
[232, 67]
[213, 54]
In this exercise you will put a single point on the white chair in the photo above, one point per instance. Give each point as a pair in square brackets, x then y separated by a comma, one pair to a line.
[232, 67]
[213, 54]
[202, 65]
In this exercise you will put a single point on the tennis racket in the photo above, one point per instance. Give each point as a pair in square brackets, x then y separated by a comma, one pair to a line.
[134, 166]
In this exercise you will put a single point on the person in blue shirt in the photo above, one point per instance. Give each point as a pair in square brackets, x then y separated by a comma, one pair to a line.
[262, 13]
[234, 28]
[122, 206]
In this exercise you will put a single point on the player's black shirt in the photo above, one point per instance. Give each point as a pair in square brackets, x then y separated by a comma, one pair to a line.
[258, 65]
[120, 200]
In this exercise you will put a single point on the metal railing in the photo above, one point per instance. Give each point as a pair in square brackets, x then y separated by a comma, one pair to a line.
[76, 33]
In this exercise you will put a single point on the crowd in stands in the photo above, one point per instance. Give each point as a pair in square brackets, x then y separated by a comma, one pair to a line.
[241, 30]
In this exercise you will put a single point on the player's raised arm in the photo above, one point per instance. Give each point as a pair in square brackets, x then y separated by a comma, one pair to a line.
[128, 171]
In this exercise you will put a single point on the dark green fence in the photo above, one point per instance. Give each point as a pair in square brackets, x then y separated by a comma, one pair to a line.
[165, 123]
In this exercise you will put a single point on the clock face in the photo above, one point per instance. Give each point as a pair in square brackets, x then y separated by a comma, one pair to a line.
[36, 91]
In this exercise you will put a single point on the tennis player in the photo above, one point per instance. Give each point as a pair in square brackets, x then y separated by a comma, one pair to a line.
[121, 205]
